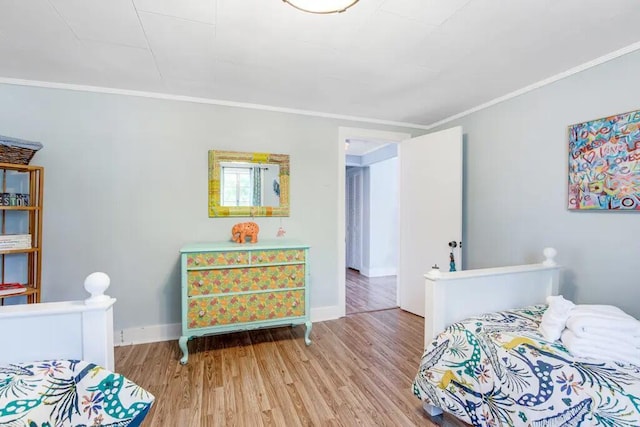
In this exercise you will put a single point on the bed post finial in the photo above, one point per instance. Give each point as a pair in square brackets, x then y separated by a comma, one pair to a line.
[96, 283]
[549, 254]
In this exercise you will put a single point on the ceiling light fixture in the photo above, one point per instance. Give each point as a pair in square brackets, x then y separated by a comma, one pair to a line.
[321, 6]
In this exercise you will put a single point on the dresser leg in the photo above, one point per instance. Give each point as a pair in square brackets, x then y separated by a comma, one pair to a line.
[308, 325]
[182, 342]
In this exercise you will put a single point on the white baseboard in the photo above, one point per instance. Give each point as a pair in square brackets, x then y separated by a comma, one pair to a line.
[320, 314]
[379, 272]
[172, 331]
[147, 334]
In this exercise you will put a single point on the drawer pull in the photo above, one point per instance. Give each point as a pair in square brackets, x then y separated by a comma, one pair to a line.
[297, 255]
[238, 259]
[199, 283]
[259, 259]
[201, 313]
[196, 262]
[293, 277]
[295, 304]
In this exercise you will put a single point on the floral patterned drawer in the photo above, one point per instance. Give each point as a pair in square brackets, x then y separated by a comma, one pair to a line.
[232, 309]
[277, 256]
[205, 259]
[205, 282]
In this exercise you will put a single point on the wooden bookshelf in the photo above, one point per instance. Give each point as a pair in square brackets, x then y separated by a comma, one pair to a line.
[21, 216]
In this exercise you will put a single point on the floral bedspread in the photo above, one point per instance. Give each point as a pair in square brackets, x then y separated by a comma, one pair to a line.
[497, 370]
[69, 393]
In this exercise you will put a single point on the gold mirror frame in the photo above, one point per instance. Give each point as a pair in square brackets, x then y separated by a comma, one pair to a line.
[216, 210]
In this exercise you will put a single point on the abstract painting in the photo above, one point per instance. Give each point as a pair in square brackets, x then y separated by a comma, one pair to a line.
[604, 163]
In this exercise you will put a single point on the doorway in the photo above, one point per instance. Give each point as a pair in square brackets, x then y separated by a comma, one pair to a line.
[429, 193]
[371, 221]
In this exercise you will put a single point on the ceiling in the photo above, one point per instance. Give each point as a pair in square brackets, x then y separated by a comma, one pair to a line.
[414, 61]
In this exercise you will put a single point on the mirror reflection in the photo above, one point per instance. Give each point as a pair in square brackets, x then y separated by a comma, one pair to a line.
[248, 184]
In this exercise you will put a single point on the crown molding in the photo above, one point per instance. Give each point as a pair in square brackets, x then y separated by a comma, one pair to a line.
[165, 96]
[563, 75]
[209, 101]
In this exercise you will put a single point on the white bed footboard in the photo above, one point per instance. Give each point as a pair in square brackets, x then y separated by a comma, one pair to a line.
[80, 330]
[454, 296]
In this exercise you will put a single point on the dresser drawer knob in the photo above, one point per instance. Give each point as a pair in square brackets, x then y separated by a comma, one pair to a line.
[196, 262]
[293, 277]
[260, 258]
[201, 313]
[238, 259]
[297, 255]
[199, 283]
[295, 304]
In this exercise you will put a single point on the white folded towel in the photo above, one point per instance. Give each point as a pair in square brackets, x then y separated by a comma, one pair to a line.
[555, 318]
[599, 351]
[599, 323]
[597, 309]
[606, 337]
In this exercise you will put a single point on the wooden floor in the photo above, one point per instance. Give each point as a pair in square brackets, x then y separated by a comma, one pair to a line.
[357, 371]
[369, 293]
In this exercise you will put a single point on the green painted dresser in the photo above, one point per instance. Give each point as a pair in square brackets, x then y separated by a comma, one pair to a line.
[228, 287]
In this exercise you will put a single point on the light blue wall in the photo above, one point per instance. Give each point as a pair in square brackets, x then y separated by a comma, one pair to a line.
[383, 218]
[380, 218]
[385, 152]
[126, 187]
[516, 186]
[353, 160]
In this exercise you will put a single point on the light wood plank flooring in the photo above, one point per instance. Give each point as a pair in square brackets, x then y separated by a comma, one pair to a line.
[357, 371]
[369, 293]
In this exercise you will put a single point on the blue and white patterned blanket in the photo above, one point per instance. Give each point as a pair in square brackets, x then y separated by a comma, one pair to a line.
[497, 370]
[69, 393]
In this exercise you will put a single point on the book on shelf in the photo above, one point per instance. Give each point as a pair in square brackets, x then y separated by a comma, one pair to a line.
[15, 246]
[12, 288]
[15, 237]
[15, 241]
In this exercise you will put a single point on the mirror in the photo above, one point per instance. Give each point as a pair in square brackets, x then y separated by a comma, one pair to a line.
[248, 184]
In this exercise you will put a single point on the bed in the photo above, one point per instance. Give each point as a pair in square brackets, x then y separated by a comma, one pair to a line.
[57, 365]
[486, 364]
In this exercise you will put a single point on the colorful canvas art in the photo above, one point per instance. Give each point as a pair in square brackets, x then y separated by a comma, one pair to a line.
[604, 163]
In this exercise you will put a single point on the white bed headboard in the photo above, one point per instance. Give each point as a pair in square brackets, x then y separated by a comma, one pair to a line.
[454, 296]
[61, 330]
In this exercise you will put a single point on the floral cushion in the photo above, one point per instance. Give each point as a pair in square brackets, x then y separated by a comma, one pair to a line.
[69, 393]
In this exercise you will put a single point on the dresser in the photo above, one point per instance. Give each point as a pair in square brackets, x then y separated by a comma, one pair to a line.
[228, 287]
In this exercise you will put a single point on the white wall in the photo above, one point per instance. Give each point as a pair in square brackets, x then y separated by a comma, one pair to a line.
[126, 187]
[516, 186]
[381, 199]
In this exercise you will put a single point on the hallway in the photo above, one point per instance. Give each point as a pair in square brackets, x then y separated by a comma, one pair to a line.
[369, 293]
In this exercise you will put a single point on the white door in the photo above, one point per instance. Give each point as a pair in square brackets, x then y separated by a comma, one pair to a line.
[354, 218]
[430, 210]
